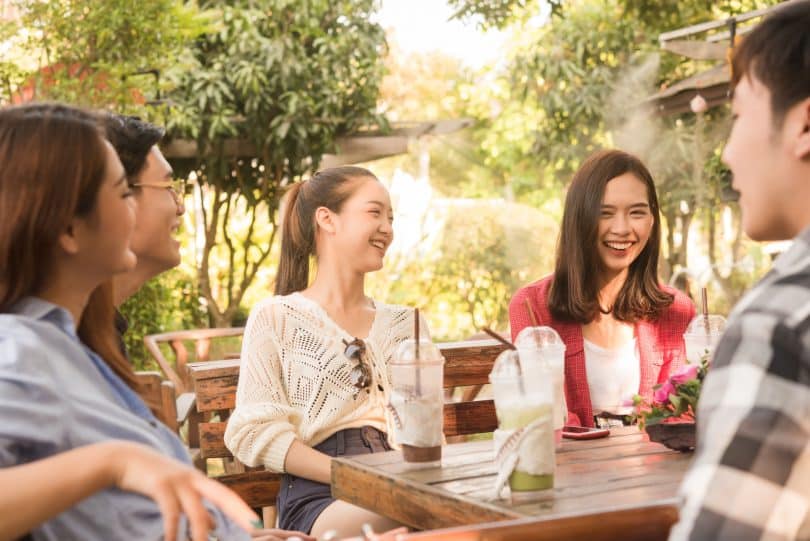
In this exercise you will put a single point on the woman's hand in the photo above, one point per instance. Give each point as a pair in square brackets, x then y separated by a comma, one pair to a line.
[176, 488]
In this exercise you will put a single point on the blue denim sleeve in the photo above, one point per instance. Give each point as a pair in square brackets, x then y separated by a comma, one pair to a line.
[32, 413]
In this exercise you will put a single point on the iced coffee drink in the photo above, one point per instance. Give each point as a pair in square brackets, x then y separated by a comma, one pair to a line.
[417, 400]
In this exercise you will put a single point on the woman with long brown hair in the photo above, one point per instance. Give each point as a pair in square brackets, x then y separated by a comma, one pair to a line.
[65, 225]
[314, 380]
[621, 327]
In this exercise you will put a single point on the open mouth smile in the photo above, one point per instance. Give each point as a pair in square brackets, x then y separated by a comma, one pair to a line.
[619, 246]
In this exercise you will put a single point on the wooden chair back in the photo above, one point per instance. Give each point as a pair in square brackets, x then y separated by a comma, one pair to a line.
[159, 395]
[176, 371]
[215, 382]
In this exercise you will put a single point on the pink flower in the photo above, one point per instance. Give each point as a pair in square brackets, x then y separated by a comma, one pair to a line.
[687, 373]
[661, 395]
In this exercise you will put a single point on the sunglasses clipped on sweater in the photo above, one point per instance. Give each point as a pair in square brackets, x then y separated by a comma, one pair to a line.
[360, 375]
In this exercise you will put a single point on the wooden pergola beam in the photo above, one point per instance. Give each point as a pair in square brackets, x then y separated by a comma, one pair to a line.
[357, 148]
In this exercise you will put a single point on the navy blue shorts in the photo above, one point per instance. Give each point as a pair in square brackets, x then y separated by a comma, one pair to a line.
[300, 500]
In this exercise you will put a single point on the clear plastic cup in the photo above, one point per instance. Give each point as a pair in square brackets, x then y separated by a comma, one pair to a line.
[702, 335]
[417, 400]
[541, 349]
[520, 402]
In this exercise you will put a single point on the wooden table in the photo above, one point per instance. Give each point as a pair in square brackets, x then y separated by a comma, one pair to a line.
[623, 472]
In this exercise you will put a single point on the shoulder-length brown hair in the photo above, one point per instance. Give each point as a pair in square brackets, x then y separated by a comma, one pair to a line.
[52, 165]
[574, 292]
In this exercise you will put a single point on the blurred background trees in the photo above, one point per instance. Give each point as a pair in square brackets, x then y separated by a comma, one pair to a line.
[254, 93]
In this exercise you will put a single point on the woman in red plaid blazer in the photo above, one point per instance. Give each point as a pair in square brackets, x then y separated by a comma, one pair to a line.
[605, 286]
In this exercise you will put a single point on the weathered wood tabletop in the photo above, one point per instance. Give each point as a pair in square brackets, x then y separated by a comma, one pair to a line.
[624, 471]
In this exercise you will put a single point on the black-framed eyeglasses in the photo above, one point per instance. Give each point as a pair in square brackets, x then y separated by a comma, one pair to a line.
[360, 374]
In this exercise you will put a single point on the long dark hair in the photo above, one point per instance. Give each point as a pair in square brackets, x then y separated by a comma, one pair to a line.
[329, 188]
[574, 292]
[52, 165]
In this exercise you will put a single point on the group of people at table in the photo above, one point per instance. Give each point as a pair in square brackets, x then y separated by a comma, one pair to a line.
[88, 210]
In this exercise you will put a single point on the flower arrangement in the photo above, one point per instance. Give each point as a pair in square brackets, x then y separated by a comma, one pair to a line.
[675, 400]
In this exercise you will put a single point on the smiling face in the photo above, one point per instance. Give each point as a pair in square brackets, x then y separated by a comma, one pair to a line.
[769, 163]
[625, 223]
[363, 228]
[157, 217]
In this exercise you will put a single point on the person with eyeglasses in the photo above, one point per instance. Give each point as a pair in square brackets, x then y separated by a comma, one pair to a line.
[314, 380]
[159, 197]
[81, 456]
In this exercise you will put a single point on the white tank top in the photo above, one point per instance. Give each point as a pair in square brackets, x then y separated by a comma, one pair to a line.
[614, 377]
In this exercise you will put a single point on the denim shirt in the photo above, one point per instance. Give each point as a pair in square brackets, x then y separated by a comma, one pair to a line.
[57, 395]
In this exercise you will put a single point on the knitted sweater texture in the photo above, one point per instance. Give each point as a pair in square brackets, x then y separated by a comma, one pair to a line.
[294, 378]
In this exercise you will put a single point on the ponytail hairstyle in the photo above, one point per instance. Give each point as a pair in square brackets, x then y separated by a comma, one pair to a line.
[574, 291]
[329, 188]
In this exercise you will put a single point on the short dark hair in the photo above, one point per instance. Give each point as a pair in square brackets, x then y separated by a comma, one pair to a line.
[574, 293]
[777, 53]
[132, 139]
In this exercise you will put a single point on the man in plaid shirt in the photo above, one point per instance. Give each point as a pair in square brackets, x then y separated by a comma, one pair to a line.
[751, 474]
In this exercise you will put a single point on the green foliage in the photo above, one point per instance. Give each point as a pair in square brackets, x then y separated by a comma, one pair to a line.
[464, 278]
[283, 79]
[91, 53]
[169, 302]
[497, 13]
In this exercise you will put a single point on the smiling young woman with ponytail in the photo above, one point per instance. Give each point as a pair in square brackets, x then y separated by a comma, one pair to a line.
[314, 379]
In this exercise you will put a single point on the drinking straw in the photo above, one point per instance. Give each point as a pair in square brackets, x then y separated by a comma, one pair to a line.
[532, 317]
[511, 346]
[416, 338]
[499, 338]
[704, 301]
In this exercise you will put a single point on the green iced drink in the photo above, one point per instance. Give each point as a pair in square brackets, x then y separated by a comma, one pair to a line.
[525, 482]
[518, 416]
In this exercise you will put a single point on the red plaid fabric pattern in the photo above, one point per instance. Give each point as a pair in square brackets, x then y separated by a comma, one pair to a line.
[660, 343]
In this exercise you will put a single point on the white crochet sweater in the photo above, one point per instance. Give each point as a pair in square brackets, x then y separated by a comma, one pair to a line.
[294, 378]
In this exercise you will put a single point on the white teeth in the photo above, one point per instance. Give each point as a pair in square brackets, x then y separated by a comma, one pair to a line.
[619, 245]
[378, 244]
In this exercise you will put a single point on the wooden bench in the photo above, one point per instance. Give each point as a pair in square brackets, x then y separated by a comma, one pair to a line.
[200, 342]
[466, 364]
[176, 371]
[159, 395]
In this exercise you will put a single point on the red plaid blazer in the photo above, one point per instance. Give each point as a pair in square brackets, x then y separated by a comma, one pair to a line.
[660, 343]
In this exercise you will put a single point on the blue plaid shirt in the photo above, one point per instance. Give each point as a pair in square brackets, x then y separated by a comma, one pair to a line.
[751, 475]
[56, 395]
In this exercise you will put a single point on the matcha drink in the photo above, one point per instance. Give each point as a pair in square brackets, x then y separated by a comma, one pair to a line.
[542, 355]
[524, 441]
[534, 448]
